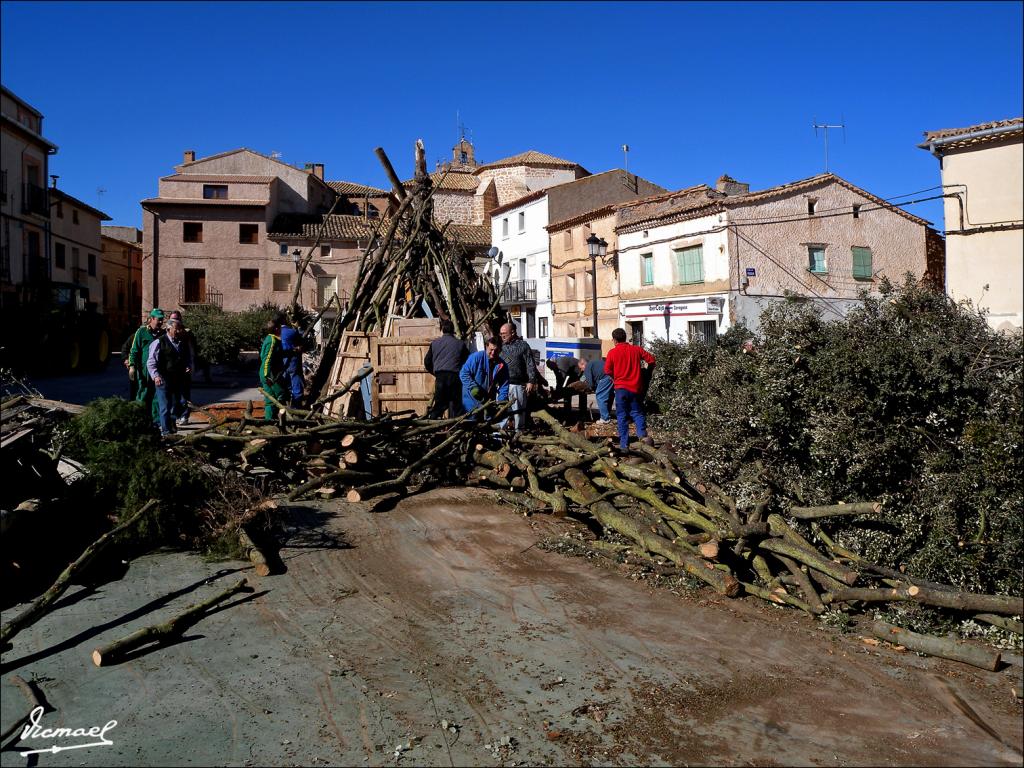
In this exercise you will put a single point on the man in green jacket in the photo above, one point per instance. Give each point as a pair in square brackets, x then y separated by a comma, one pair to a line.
[272, 373]
[139, 355]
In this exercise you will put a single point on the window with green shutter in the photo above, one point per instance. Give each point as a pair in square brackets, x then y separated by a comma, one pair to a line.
[647, 268]
[816, 259]
[862, 263]
[690, 263]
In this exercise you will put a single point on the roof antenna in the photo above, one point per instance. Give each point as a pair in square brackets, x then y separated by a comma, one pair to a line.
[625, 157]
[825, 127]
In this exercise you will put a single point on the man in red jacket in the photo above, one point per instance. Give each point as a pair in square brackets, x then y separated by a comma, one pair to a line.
[623, 365]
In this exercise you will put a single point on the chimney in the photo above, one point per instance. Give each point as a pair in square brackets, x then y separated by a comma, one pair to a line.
[726, 184]
[190, 155]
[53, 179]
[318, 170]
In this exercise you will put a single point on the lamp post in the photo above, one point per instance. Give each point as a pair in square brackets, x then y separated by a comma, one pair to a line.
[597, 248]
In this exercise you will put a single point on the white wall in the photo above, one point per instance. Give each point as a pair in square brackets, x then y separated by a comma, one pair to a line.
[525, 253]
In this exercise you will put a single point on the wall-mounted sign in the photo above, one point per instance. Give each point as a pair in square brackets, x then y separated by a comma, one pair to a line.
[751, 272]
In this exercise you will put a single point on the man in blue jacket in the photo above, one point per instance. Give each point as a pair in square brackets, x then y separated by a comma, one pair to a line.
[484, 376]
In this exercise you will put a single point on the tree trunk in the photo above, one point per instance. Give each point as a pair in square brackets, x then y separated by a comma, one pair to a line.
[962, 601]
[946, 648]
[834, 510]
[254, 553]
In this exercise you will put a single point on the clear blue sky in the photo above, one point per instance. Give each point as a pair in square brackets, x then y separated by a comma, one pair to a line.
[695, 89]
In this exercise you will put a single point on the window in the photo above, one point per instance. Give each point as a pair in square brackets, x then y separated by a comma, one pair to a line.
[504, 227]
[283, 249]
[542, 327]
[120, 293]
[690, 264]
[570, 287]
[74, 215]
[543, 270]
[572, 330]
[60, 209]
[856, 211]
[522, 221]
[325, 251]
[249, 279]
[703, 330]
[248, 234]
[282, 281]
[215, 191]
[862, 263]
[588, 331]
[816, 259]
[567, 240]
[59, 255]
[192, 232]
[647, 269]
[811, 205]
[92, 265]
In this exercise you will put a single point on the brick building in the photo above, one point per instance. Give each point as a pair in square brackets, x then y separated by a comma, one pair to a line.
[121, 267]
[76, 245]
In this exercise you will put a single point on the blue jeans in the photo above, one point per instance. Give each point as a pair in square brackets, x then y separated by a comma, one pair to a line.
[604, 397]
[628, 405]
[168, 407]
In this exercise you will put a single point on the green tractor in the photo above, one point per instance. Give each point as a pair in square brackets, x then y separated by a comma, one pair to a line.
[59, 332]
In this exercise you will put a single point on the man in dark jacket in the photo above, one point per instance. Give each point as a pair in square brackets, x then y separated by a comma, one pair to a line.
[169, 365]
[522, 373]
[567, 372]
[444, 360]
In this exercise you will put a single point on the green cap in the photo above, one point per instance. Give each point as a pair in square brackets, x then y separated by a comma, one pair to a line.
[157, 313]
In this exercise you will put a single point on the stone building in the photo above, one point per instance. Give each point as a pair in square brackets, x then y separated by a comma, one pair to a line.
[76, 245]
[121, 267]
[205, 236]
[694, 262]
[982, 169]
[530, 233]
[24, 201]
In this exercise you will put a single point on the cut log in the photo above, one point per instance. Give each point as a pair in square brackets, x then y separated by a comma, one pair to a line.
[779, 596]
[254, 553]
[810, 594]
[609, 517]
[350, 457]
[1003, 605]
[834, 510]
[353, 496]
[810, 558]
[158, 632]
[946, 648]
[39, 607]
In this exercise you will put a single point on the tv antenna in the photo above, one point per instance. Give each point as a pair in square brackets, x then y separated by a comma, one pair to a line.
[100, 192]
[625, 157]
[825, 127]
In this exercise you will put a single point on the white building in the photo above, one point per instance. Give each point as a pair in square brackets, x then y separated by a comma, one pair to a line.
[523, 274]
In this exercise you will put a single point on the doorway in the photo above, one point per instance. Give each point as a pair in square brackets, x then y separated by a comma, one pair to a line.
[195, 286]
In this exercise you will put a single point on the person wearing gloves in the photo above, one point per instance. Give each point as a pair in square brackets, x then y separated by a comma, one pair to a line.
[484, 376]
[138, 357]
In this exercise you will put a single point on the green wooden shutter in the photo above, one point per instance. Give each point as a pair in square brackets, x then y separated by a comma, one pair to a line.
[816, 258]
[862, 263]
[647, 263]
[691, 264]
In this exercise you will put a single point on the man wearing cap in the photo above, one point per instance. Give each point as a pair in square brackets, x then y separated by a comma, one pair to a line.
[139, 356]
[168, 365]
[184, 392]
[273, 377]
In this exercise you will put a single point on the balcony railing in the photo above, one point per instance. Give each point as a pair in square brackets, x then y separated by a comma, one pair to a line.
[35, 199]
[319, 299]
[193, 297]
[519, 292]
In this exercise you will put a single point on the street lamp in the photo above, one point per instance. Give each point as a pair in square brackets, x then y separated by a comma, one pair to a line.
[597, 247]
[297, 257]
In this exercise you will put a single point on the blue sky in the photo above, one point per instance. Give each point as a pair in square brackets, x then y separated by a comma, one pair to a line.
[695, 89]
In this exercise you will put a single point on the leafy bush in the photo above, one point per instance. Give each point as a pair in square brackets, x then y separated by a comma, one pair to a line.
[911, 400]
[221, 335]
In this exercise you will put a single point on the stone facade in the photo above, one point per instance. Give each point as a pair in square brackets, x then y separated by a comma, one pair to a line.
[756, 248]
[24, 201]
[122, 272]
[205, 235]
[76, 246]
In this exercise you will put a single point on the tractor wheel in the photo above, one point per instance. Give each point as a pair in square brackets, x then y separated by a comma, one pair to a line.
[102, 349]
[73, 356]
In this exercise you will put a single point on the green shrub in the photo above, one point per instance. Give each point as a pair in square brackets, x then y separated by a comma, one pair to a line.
[911, 400]
[221, 335]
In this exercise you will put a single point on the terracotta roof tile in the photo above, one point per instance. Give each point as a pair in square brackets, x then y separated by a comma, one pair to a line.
[665, 209]
[452, 181]
[530, 157]
[223, 178]
[946, 133]
[302, 226]
[474, 235]
[200, 201]
[347, 188]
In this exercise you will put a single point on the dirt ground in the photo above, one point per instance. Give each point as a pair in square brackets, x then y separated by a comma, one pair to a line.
[444, 611]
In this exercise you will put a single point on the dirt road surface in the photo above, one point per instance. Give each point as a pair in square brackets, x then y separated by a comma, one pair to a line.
[443, 610]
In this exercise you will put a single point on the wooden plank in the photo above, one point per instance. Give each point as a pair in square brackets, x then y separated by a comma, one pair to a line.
[404, 396]
[9, 412]
[355, 350]
[416, 326]
[57, 405]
